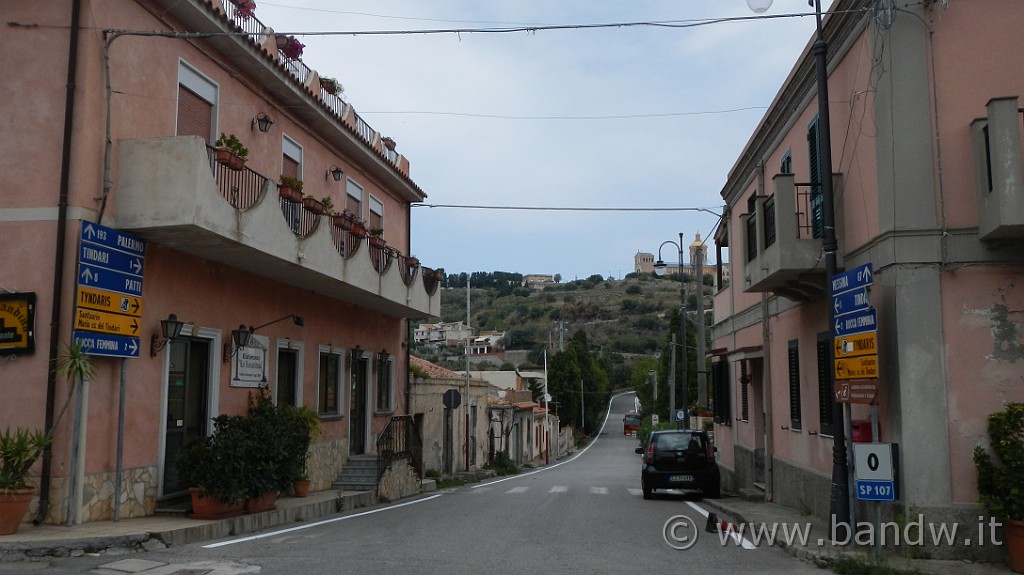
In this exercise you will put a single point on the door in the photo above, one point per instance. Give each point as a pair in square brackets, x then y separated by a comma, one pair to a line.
[357, 404]
[187, 406]
[287, 376]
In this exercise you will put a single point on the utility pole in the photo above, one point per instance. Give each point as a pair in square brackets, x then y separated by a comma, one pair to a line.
[465, 400]
[698, 269]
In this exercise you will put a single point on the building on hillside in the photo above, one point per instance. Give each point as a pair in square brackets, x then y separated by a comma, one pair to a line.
[538, 280]
[927, 168]
[191, 277]
[443, 429]
[522, 428]
[643, 263]
[442, 333]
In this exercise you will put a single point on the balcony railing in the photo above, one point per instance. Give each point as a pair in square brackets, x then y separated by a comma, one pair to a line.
[364, 129]
[242, 188]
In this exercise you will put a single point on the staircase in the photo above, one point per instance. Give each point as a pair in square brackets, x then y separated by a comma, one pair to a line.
[359, 474]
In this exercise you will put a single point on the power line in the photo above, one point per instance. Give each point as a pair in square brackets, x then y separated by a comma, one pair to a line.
[609, 117]
[569, 209]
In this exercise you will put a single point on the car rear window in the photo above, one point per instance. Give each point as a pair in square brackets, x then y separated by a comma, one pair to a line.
[678, 441]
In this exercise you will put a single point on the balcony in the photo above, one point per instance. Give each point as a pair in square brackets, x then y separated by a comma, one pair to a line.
[999, 176]
[782, 255]
[171, 192]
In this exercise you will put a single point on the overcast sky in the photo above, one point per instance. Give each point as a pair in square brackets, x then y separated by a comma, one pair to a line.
[587, 118]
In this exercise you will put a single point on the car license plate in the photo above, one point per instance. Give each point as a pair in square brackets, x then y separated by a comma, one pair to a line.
[680, 478]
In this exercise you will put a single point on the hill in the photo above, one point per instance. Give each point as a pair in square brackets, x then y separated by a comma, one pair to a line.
[621, 317]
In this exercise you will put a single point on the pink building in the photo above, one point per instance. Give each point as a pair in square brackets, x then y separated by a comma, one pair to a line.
[119, 216]
[926, 151]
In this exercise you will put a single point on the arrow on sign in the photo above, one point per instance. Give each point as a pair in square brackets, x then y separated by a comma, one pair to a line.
[133, 346]
[90, 231]
[136, 266]
[88, 276]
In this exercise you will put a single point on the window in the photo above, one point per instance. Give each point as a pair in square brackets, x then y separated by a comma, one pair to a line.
[291, 165]
[769, 221]
[786, 165]
[817, 203]
[354, 198]
[329, 384]
[752, 228]
[794, 384]
[376, 219]
[197, 104]
[826, 397]
[720, 392]
[385, 363]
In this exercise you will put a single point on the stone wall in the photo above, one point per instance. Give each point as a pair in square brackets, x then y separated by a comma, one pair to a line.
[399, 480]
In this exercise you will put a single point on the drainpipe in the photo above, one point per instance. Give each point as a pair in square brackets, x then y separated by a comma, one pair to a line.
[58, 259]
[766, 375]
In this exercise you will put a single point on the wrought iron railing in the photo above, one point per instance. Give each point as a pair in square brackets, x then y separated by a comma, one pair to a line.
[241, 188]
[345, 241]
[399, 440]
[301, 221]
[364, 129]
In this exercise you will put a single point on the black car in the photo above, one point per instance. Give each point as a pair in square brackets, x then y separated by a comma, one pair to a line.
[679, 459]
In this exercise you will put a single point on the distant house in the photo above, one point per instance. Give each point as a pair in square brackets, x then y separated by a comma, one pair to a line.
[538, 280]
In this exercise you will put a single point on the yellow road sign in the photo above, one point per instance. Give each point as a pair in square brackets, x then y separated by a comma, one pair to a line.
[114, 302]
[861, 367]
[855, 345]
[103, 322]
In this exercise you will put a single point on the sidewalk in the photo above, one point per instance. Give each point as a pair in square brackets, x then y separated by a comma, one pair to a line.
[160, 531]
[736, 510]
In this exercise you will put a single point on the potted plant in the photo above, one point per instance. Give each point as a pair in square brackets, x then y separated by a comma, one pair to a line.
[389, 143]
[19, 449]
[1001, 479]
[215, 467]
[290, 188]
[290, 47]
[313, 205]
[244, 9]
[309, 428]
[330, 85]
[230, 152]
[412, 261]
[376, 236]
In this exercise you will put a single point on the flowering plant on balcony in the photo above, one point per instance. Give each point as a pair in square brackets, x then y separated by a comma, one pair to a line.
[244, 9]
[290, 47]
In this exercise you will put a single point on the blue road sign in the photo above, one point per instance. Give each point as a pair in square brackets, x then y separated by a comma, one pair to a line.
[106, 258]
[111, 238]
[876, 490]
[106, 344]
[858, 277]
[861, 321]
[92, 276]
[850, 301]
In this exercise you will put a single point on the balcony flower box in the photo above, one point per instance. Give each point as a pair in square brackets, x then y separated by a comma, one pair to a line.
[313, 205]
[289, 193]
[412, 261]
[230, 152]
[290, 47]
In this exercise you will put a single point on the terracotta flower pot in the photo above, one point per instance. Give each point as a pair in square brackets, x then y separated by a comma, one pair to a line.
[13, 506]
[230, 159]
[1014, 536]
[301, 487]
[206, 506]
[265, 502]
[289, 193]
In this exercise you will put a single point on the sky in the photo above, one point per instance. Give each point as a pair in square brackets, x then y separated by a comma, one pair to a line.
[633, 127]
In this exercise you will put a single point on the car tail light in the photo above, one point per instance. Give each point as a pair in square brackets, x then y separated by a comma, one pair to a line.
[711, 451]
[649, 460]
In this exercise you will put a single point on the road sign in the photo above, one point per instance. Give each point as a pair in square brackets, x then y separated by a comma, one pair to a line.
[109, 301]
[864, 366]
[854, 345]
[850, 301]
[110, 280]
[863, 391]
[876, 490]
[861, 321]
[680, 415]
[654, 419]
[107, 258]
[107, 344]
[451, 399]
[858, 277]
[873, 461]
[111, 238]
[105, 322]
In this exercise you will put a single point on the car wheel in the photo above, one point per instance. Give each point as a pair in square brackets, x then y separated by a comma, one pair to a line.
[647, 492]
[714, 491]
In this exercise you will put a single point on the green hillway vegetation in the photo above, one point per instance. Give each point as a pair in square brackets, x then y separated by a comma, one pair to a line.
[610, 331]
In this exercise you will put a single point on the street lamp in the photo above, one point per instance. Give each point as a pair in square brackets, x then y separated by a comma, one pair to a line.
[659, 268]
[839, 502]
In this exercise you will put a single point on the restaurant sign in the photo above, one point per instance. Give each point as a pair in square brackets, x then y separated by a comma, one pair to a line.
[17, 323]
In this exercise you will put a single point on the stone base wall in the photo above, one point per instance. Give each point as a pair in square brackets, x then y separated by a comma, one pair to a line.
[137, 495]
[326, 459]
[399, 480]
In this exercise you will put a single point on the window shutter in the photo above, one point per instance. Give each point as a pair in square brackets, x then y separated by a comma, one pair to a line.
[720, 381]
[195, 115]
[744, 400]
[826, 397]
[794, 384]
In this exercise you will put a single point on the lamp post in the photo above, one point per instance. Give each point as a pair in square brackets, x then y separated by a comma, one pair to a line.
[659, 268]
[839, 502]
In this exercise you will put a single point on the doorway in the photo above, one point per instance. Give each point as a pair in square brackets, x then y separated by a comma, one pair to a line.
[287, 377]
[187, 408]
[357, 403]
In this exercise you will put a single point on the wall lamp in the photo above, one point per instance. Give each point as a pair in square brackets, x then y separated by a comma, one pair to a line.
[242, 337]
[335, 172]
[170, 328]
[263, 122]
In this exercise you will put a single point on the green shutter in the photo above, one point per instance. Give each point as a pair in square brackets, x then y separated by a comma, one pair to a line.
[794, 384]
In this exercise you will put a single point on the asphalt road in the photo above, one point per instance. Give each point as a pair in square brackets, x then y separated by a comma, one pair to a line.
[584, 514]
